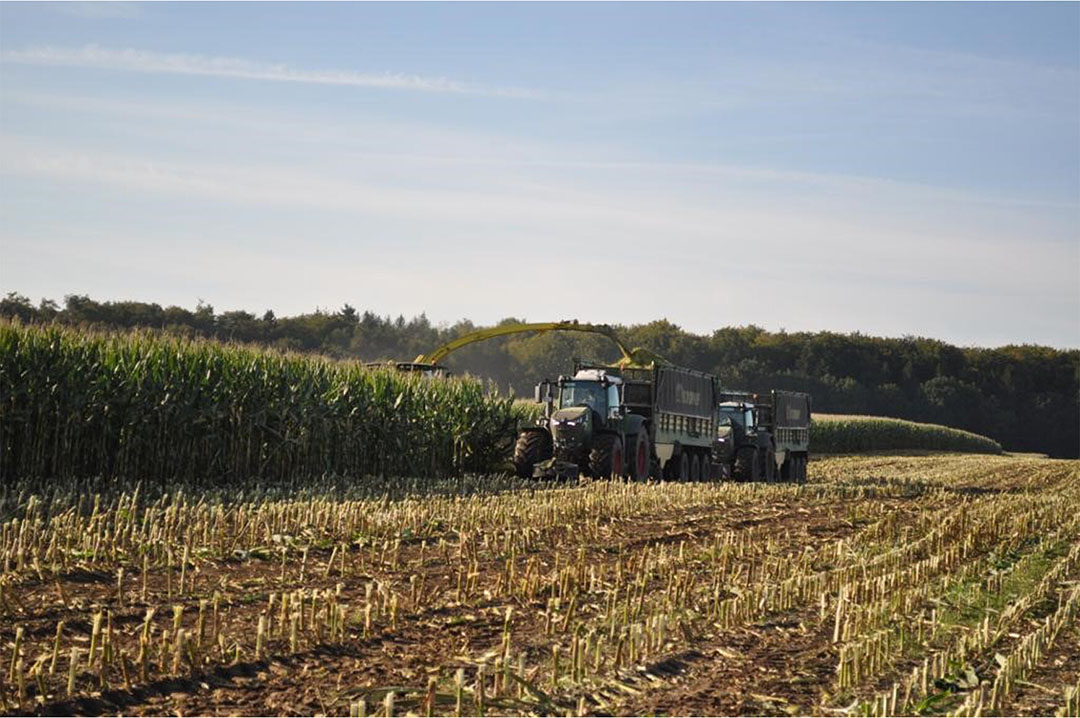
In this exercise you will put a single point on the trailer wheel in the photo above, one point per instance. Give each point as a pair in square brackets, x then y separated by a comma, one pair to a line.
[606, 457]
[695, 468]
[641, 458]
[788, 468]
[801, 474]
[531, 448]
[747, 467]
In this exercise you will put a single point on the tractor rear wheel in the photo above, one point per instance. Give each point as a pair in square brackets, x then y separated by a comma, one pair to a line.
[531, 448]
[684, 466]
[747, 467]
[606, 457]
[640, 460]
[801, 473]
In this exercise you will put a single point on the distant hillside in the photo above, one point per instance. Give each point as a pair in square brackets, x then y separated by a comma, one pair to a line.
[1024, 397]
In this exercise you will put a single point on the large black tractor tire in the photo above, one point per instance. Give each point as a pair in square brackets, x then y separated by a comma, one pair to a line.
[768, 468]
[747, 467]
[606, 457]
[531, 448]
[695, 468]
[801, 474]
[639, 457]
[787, 469]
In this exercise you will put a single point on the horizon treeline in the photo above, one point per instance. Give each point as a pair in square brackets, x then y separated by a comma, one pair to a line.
[1026, 397]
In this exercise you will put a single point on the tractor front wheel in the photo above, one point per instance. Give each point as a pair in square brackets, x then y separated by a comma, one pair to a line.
[747, 467]
[531, 448]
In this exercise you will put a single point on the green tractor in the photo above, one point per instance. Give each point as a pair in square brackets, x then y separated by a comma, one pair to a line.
[763, 439]
[585, 430]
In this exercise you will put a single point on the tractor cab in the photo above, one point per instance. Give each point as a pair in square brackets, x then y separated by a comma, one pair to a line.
[737, 411]
[736, 425]
[735, 415]
[593, 388]
[578, 407]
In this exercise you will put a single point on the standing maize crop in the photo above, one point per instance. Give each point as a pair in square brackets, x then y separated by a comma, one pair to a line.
[76, 404]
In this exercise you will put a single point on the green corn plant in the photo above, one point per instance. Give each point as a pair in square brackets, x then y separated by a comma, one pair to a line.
[843, 434]
[84, 404]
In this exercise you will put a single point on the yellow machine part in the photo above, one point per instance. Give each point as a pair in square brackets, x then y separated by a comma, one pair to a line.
[630, 357]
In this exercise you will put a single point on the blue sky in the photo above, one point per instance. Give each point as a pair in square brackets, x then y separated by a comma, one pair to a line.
[886, 168]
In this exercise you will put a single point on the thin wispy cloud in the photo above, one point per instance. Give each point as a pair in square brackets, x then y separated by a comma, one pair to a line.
[419, 145]
[100, 10]
[568, 211]
[132, 60]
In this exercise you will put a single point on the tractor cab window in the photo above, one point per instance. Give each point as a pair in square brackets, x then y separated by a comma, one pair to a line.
[736, 415]
[613, 400]
[732, 415]
[584, 393]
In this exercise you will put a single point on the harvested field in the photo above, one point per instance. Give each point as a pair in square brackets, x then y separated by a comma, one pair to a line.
[917, 584]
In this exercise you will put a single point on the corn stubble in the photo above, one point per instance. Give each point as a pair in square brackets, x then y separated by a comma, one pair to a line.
[938, 585]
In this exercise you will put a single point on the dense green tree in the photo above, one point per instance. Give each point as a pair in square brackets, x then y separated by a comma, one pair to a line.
[16, 306]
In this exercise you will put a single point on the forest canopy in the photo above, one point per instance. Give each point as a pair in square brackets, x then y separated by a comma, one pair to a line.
[1026, 397]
